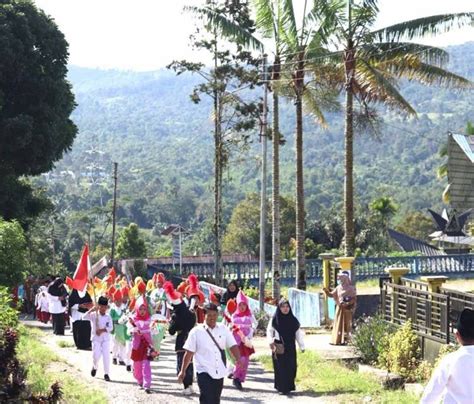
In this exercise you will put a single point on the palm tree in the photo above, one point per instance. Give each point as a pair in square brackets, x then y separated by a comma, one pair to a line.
[373, 62]
[301, 44]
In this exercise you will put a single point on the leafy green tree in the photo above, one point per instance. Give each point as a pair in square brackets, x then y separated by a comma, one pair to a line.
[417, 224]
[130, 244]
[13, 253]
[35, 103]
[243, 232]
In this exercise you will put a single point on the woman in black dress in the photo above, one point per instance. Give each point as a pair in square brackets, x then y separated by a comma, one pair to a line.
[81, 329]
[282, 332]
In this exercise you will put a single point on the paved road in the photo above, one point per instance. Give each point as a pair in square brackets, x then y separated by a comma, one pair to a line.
[123, 389]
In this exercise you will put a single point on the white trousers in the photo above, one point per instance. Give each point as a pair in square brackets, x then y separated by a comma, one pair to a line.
[119, 352]
[101, 348]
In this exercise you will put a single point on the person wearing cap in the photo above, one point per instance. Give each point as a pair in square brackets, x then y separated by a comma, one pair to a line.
[101, 327]
[206, 344]
[453, 380]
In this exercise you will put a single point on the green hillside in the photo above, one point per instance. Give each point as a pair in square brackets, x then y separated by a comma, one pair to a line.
[163, 144]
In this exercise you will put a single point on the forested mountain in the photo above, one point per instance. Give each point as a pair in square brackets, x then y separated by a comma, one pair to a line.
[163, 144]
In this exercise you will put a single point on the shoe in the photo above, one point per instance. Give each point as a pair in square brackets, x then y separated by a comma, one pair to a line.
[187, 391]
[129, 368]
[114, 361]
[107, 378]
[93, 372]
[237, 384]
[147, 391]
[122, 363]
[230, 376]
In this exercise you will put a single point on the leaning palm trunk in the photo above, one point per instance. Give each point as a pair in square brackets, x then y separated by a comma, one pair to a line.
[276, 188]
[349, 238]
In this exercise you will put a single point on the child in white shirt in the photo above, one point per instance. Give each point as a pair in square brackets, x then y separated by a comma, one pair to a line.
[101, 327]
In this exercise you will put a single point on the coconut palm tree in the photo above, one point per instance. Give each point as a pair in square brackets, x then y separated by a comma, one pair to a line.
[372, 64]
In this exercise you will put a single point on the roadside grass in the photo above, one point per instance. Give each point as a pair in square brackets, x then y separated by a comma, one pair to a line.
[65, 344]
[338, 383]
[37, 359]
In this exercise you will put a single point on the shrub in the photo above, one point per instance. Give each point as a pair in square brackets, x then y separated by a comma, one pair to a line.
[368, 337]
[8, 315]
[401, 353]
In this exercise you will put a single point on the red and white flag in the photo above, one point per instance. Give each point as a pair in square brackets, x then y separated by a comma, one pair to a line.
[81, 276]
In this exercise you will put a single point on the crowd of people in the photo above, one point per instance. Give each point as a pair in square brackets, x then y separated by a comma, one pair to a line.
[124, 322]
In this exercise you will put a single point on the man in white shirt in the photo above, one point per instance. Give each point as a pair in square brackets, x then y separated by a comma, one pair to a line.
[101, 327]
[206, 343]
[453, 380]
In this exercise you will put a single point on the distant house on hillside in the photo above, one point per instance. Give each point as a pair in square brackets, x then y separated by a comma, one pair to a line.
[461, 172]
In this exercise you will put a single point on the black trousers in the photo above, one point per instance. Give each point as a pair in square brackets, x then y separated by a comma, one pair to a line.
[211, 389]
[81, 332]
[188, 377]
[58, 323]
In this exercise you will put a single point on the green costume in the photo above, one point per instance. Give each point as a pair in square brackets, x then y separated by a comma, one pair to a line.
[120, 330]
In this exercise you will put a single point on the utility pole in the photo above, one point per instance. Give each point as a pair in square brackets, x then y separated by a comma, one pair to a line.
[114, 210]
[263, 190]
[52, 247]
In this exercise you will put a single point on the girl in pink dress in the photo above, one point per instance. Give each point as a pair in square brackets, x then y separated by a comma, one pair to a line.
[142, 345]
[243, 326]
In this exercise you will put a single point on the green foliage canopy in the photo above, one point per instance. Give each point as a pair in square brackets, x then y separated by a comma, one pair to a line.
[35, 103]
[130, 244]
[13, 260]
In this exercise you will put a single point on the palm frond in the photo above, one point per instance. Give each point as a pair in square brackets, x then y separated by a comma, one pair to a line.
[226, 27]
[418, 28]
[373, 85]
[378, 52]
[426, 73]
[265, 17]
[312, 105]
[288, 28]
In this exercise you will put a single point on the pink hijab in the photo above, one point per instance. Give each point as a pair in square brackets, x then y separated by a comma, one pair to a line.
[345, 289]
[241, 298]
[141, 303]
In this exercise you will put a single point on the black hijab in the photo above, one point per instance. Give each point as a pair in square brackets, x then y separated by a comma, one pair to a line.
[285, 324]
[56, 288]
[228, 294]
[74, 298]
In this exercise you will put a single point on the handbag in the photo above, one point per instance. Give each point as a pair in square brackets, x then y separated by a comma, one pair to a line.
[224, 359]
[279, 347]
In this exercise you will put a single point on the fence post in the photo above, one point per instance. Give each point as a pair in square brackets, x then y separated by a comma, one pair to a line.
[327, 258]
[396, 274]
[434, 282]
[346, 265]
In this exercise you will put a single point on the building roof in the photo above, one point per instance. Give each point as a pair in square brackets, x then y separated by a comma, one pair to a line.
[466, 143]
[409, 244]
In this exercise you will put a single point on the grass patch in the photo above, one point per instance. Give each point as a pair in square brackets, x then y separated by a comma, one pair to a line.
[332, 379]
[36, 358]
[65, 344]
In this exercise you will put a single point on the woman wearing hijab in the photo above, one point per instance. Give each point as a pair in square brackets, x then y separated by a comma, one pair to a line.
[231, 292]
[57, 296]
[282, 332]
[345, 296]
[81, 329]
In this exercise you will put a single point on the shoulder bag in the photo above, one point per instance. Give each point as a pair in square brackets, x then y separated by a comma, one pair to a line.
[224, 360]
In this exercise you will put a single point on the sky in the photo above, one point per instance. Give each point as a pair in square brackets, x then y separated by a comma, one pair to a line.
[143, 35]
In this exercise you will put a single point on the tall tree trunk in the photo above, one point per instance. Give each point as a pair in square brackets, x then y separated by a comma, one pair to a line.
[300, 214]
[349, 234]
[276, 258]
[217, 177]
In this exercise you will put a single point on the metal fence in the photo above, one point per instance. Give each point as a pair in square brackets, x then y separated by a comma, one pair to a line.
[365, 267]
